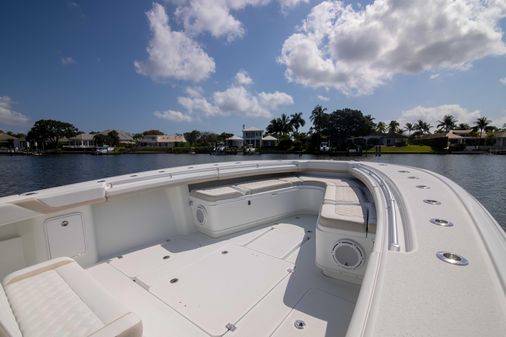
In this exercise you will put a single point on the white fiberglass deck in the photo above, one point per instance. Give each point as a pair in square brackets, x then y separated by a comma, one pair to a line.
[253, 283]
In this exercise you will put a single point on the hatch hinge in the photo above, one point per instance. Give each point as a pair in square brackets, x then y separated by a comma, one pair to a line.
[230, 327]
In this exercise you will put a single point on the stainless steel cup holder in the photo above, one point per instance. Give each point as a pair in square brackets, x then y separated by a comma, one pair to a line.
[452, 258]
[441, 222]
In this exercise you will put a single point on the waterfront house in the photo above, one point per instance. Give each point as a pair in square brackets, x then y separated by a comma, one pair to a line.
[125, 138]
[161, 140]
[8, 141]
[83, 141]
[269, 141]
[386, 139]
[234, 141]
[252, 136]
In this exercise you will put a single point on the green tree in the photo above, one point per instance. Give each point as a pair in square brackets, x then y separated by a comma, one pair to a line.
[113, 138]
[346, 123]
[463, 126]
[381, 127]
[137, 136]
[393, 127]
[223, 136]
[274, 127]
[192, 137]
[280, 126]
[422, 127]
[110, 139]
[319, 119]
[297, 121]
[409, 128]
[370, 121]
[447, 123]
[481, 123]
[48, 132]
[152, 132]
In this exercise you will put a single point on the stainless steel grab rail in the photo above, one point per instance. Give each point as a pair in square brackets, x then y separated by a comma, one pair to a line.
[393, 235]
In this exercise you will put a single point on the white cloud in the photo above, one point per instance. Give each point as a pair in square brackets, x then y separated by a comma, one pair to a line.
[8, 115]
[499, 122]
[215, 17]
[67, 60]
[433, 114]
[239, 101]
[173, 54]
[323, 98]
[434, 76]
[242, 78]
[174, 116]
[356, 50]
[235, 100]
[503, 80]
[198, 104]
[275, 99]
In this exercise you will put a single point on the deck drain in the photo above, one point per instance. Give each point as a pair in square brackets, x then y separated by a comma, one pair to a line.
[423, 187]
[174, 280]
[166, 257]
[403, 171]
[224, 251]
[412, 177]
[432, 202]
[309, 231]
[299, 324]
[452, 258]
[441, 222]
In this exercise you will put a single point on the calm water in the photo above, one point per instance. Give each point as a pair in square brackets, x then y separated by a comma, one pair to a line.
[483, 176]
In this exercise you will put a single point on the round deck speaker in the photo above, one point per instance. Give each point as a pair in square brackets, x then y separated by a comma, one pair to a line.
[348, 254]
[201, 215]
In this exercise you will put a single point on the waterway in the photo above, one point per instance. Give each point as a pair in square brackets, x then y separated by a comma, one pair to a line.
[484, 176]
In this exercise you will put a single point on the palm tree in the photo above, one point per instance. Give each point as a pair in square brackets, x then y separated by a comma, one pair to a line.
[297, 121]
[463, 126]
[280, 126]
[482, 123]
[393, 126]
[285, 123]
[447, 123]
[423, 127]
[381, 127]
[409, 128]
[319, 119]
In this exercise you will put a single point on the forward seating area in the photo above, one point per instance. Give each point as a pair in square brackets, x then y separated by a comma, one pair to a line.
[59, 298]
[341, 203]
[345, 227]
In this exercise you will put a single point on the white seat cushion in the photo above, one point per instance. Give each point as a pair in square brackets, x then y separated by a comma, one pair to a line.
[58, 298]
[263, 185]
[344, 216]
[340, 194]
[216, 194]
[8, 325]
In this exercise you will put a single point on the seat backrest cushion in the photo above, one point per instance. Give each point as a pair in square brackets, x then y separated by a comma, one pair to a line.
[8, 325]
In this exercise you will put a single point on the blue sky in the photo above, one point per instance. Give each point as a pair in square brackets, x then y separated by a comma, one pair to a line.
[178, 65]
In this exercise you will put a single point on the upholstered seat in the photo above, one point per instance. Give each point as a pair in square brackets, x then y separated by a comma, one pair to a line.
[262, 185]
[59, 298]
[347, 217]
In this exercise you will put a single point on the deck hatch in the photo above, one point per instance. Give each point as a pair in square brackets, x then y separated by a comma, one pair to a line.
[220, 289]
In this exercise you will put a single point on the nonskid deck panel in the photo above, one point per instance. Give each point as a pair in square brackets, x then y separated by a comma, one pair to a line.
[216, 296]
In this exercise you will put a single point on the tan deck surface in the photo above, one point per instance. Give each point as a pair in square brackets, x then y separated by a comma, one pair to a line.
[264, 283]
